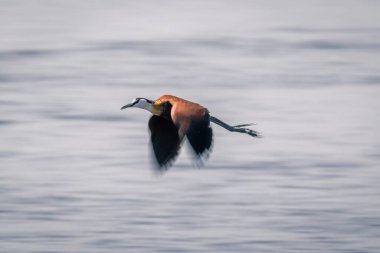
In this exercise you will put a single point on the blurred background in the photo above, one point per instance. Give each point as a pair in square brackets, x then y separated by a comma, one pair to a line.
[75, 171]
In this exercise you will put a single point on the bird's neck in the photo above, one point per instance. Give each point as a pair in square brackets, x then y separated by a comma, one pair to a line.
[154, 109]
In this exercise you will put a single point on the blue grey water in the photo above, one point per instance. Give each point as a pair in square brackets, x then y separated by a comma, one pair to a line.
[75, 171]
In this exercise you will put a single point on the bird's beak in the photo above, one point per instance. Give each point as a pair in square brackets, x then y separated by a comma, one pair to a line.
[126, 106]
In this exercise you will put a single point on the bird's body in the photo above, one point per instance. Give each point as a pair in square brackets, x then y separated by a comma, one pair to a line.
[182, 112]
[174, 119]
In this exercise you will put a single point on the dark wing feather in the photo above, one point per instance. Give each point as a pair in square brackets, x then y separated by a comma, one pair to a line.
[165, 140]
[200, 136]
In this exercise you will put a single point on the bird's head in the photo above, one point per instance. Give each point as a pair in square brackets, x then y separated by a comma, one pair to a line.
[145, 104]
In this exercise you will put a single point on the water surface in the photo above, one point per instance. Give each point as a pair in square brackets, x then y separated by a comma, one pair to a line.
[75, 171]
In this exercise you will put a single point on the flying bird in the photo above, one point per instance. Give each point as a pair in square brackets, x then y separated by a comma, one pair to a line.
[174, 119]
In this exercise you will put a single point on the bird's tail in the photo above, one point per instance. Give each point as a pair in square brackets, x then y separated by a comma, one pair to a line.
[238, 128]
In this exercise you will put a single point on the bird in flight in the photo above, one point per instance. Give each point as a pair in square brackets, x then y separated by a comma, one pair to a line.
[174, 119]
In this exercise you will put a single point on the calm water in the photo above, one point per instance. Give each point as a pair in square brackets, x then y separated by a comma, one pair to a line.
[75, 171]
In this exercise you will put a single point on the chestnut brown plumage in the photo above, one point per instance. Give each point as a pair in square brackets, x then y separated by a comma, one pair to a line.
[174, 118]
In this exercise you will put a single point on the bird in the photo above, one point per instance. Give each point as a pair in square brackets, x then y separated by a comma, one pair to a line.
[175, 119]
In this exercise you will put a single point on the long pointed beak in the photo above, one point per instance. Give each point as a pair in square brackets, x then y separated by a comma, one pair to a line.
[126, 106]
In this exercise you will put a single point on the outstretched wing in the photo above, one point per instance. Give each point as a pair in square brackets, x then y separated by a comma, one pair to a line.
[165, 140]
[200, 136]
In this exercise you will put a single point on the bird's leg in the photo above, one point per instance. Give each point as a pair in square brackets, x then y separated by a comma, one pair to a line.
[238, 128]
[244, 125]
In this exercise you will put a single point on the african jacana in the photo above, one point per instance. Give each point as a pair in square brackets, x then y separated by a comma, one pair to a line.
[174, 118]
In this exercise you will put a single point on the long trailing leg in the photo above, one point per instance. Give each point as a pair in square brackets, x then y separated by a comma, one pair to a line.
[237, 128]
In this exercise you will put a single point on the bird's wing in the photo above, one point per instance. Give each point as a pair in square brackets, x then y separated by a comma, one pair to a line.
[165, 140]
[200, 136]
